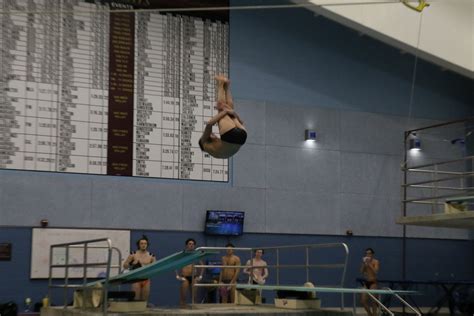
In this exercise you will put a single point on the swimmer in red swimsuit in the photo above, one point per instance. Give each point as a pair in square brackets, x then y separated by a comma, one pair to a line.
[135, 260]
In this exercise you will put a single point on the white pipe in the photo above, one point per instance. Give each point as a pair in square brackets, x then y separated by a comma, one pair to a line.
[194, 9]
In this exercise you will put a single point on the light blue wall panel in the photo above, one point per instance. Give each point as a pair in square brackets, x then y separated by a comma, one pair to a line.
[370, 215]
[385, 176]
[372, 133]
[355, 173]
[29, 197]
[281, 169]
[286, 124]
[318, 170]
[253, 114]
[140, 203]
[302, 212]
[250, 166]
[198, 199]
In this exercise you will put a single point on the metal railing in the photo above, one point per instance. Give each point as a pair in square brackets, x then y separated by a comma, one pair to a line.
[438, 172]
[439, 192]
[85, 245]
[307, 266]
[385, 308]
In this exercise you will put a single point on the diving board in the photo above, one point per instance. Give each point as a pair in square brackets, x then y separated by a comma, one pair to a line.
[172, 262]
[456, 215]
[338, 290]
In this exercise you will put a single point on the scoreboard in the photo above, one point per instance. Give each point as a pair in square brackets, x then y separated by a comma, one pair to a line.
[85, 89]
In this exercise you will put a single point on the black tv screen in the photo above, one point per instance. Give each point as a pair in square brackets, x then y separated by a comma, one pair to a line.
[225, 223]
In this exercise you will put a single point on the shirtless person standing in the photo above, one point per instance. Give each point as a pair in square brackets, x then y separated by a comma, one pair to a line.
[229, 275]
[186, 274]
[138, 259]
[369, 268]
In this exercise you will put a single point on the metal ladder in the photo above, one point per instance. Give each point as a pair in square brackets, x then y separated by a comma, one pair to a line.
[85, 245]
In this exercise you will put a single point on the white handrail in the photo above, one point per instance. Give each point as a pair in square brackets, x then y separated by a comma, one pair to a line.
[85, 245]
[278, 266]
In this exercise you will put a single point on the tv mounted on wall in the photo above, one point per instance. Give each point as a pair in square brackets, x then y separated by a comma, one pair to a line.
[224, 223]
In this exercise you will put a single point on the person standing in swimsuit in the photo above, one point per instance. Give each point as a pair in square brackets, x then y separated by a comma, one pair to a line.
[369, 268]
[231, 128]
[138, 259]
[186, 274]
[229, 275]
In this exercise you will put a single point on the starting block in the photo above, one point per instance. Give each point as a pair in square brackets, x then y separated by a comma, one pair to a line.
[248, 297]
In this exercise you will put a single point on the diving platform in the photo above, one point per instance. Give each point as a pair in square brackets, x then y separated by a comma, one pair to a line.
[454, 220]
[441, 194]
[202, 310]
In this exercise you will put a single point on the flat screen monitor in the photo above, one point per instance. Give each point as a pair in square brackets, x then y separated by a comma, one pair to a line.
[224, 223]
[214, 270]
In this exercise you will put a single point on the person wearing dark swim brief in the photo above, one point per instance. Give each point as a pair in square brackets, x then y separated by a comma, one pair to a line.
[370, 284]
[138, 259]
[186, 275]
[369, 268]
[235, 136]
[229, 275]
[231, 129]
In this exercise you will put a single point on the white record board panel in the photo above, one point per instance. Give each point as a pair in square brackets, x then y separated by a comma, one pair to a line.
[87, 90]
[43, 238]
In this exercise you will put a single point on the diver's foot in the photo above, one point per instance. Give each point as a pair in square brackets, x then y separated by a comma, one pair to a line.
[222, 78]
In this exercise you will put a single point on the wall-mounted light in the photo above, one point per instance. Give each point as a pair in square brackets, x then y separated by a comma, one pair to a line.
[414, 142]
[310, 135]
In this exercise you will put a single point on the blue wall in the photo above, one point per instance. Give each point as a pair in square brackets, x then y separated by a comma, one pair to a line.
[290, 71]
[290, 56]
[428, 260]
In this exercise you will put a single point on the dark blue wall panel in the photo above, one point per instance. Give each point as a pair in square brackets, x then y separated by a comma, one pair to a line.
[426, 260]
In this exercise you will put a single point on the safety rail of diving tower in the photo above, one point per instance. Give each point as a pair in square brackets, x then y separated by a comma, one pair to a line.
[85, 245]
[307, 266]
[438, 193]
